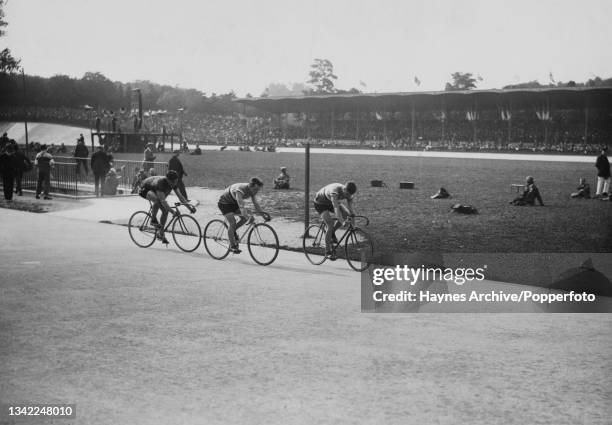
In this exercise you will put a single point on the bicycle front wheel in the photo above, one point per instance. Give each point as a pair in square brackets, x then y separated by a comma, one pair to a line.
[186, 233]
[263, 244]
[359, 249]
[141, 230]
[216, 241]
[313, 243]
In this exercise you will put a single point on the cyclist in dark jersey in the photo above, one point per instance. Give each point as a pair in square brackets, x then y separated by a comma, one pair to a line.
[231, 204]
[156, 189]
[327, 201]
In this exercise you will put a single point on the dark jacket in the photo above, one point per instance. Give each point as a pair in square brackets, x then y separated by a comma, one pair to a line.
[81, 151]
[531, 194]
[175, 165]
[101, 162]
[7, 165]
[22, 162]
[603, 166]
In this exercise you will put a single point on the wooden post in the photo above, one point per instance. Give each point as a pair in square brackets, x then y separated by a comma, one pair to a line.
[307, 191]
[412, 117]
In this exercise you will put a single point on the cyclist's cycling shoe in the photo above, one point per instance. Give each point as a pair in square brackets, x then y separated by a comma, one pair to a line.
[154, 222]
[235, 250]
[331, 256]
[163, 239]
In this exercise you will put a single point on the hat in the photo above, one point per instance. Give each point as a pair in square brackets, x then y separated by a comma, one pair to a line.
[112, 171]
[283, 168]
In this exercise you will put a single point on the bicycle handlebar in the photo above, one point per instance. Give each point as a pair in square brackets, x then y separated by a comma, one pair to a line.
[265, 215]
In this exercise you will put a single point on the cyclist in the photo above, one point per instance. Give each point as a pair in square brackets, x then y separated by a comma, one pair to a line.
[155, 189]
[327, 201]
[231, 204]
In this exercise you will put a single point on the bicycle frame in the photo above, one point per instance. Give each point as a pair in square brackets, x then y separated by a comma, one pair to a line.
[174, 216]
[348, 230]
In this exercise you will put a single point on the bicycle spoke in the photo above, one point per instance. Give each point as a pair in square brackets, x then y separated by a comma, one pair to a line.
[186, 233]
[359, 249]
[263, 244]
[314, 246]
[140, 229]
[216, 239]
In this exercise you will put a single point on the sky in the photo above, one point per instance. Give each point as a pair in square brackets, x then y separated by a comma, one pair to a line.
[375, 46]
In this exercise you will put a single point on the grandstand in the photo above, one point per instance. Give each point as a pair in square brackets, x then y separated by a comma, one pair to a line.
[568, 118]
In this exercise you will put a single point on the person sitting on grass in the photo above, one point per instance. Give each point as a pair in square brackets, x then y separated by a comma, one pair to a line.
[583, 190]
[283, 179]
[530, 194]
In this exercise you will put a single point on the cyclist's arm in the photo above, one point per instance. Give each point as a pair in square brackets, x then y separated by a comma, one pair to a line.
[162, 200]
[244, 211]
[180, 195]
[256, 204]
[349, 204]
[336, 205]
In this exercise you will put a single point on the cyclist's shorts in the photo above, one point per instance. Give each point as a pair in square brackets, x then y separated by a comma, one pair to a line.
[229, 208]
[321, 208]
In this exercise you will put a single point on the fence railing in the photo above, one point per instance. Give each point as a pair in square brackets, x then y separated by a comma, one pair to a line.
[127, 171]
[70, 179]
[62, 180]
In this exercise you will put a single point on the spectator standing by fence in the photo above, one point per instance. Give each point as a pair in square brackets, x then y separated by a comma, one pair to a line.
[101, 163]
[44, 164]
[603, 174]
[4, 140]
[175, 164]
[8, 170]
[22, 165]
[81, 154]
[148, 157]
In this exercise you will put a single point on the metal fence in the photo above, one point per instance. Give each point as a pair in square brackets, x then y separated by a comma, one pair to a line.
[62, 180]
[127, 172]
[71, 180]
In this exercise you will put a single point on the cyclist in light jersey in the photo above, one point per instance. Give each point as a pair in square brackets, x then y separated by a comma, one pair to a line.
[231, 204]
[327, 201]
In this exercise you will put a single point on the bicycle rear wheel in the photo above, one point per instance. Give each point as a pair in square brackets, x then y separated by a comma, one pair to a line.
[263, 244]
[216, 241]
[359, 249]
[141, 230]
[314, 246]
[186, 233]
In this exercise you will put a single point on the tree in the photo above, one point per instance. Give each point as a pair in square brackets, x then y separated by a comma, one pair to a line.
[461, 81]
[8, 63]
[322, 76]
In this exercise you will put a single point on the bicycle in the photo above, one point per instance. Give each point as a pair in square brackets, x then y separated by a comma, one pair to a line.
[358, 246]
[186, 231]
[262, 240]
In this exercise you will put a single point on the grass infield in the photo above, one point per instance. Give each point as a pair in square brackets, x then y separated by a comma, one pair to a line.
[408, 220]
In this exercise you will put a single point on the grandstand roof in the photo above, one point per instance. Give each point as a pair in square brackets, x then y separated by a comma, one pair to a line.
[556, 97]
